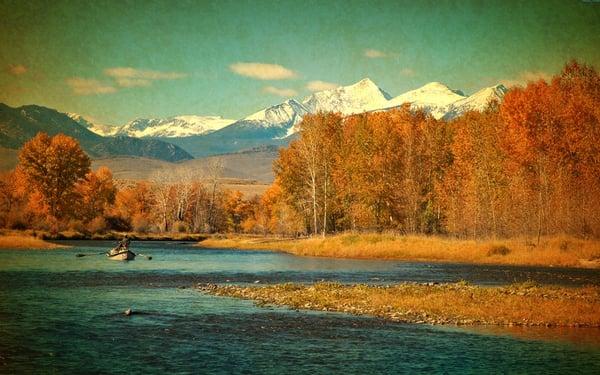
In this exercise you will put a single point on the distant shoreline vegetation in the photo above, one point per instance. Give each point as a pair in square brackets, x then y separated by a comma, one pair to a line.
[556, 251]
[526, 168]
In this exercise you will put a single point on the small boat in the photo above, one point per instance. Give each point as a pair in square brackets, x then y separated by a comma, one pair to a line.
[120, 253]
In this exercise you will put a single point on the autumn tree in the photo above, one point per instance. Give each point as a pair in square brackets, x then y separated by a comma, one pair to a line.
[305, 169]
[97, 193]
[135, 205]
[52, 167]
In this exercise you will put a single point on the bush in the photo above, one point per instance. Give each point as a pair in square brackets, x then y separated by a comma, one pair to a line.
[141, 224]
[181, 227]
[77, 226]
[97, 225]
[117, 223]
[498, 250]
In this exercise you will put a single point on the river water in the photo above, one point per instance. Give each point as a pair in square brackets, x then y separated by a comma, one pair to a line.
[64, 314]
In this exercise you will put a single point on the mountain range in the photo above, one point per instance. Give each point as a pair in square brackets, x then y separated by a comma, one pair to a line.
[18, 125]
[209, 135]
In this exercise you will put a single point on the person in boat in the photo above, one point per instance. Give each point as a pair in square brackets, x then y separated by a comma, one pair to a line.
[124, 243]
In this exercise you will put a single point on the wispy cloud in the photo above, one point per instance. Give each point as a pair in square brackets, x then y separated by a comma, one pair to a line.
[526, 76]
[321, 85]
[374, 54]
[133, 82]
[407, 72]
[85, 86]
[127, 72]
[132, 77]
[286, 93]
[262, 71]
[16, 69]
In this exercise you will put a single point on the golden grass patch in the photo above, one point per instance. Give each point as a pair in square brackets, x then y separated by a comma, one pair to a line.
[12, 241]
[552, 251]
[523, 304]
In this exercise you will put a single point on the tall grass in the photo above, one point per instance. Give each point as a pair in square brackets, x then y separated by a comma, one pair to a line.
[12, 241]
[551, 251]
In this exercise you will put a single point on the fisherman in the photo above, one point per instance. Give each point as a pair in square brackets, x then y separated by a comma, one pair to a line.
[124, 243]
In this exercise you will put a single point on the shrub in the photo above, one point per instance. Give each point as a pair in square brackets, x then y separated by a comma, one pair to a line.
[181, 227]
[117, 223]
[97, 225]
[498, 250]
[140, 224]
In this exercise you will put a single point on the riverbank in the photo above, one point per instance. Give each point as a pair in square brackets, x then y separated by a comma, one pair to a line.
[21, 241]
[524, 304]
[552, 251]
[32, 239]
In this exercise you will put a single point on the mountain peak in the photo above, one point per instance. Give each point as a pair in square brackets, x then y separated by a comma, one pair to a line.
[365, 82]
[178, 126]
[479, 101]
[435, 86]
[358, 97]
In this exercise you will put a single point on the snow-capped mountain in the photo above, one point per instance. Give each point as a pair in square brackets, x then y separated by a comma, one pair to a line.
[359, 97]
[100, 129]
[179, 126]
[280, 115]
[476, 102]
[274, 125]
[433, 98]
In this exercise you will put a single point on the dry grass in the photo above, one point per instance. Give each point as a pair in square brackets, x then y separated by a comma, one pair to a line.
[552, 251]
[19, 241]
[523, 304]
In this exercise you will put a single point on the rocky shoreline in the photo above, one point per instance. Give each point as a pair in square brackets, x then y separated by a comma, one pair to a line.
[524, 304]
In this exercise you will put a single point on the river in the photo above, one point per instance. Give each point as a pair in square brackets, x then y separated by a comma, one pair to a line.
[64, 314]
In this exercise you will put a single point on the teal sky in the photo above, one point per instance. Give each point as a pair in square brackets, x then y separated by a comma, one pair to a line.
[181, 54]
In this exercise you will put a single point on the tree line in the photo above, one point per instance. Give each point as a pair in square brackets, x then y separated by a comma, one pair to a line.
[529, 166]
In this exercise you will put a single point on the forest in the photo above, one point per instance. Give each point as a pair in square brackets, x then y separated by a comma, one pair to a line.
[529, 166]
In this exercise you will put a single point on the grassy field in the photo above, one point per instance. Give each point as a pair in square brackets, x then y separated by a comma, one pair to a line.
[552, 251]
[524, 304]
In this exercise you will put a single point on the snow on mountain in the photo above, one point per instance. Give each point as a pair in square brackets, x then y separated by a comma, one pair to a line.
[356, 98]
[285, 114]
[178, 126]
[476, 102]
[434, 98]
[100, 129]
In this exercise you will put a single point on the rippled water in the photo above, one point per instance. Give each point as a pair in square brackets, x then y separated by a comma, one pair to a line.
[63, 314]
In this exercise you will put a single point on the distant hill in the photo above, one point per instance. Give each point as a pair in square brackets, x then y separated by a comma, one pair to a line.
[18, 125]
[251, 165]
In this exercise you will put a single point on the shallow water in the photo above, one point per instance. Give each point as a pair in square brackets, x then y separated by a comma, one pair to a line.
[63, 314]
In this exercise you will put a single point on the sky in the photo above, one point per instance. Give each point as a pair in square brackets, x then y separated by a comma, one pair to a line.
[113, 61]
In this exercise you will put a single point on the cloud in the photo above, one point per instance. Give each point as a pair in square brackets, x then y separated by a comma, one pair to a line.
[321, 85]
[16, 70]
[126, 72]
[407, 72]
[132, 77]
[133, 82]
[84, 86]
[286, 93]
[374, 54]
[262, 71]
[526, 76]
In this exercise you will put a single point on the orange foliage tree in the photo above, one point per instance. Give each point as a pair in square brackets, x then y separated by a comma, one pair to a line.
[52, 166]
